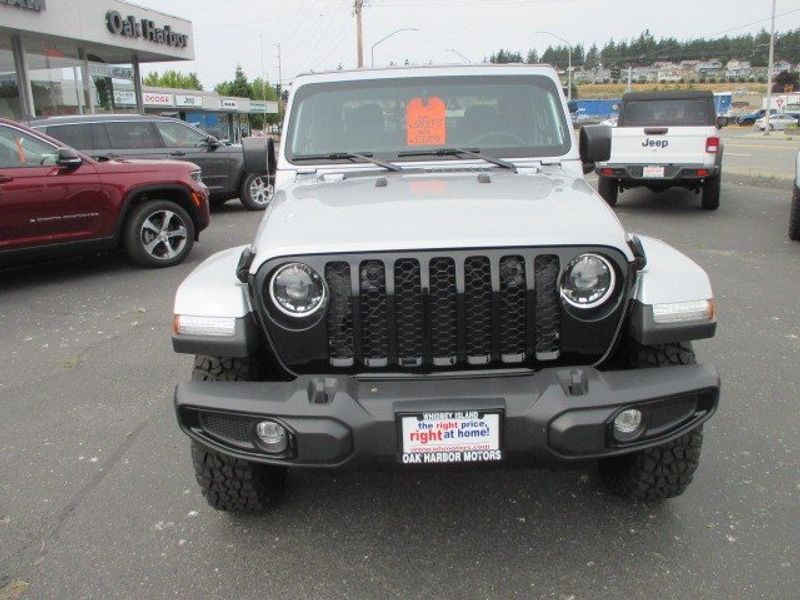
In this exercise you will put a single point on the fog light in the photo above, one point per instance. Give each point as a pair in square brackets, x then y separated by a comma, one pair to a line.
[273, 437]
[628, 425]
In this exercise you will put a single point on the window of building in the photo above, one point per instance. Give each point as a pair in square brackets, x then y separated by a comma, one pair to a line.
[56, 79]
[10, 104]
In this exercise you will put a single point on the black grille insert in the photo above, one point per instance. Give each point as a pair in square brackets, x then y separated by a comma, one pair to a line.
[444, 311]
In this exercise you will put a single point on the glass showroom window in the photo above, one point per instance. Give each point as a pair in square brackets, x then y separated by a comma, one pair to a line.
[56, 80]
[112, 87]
[10, 104]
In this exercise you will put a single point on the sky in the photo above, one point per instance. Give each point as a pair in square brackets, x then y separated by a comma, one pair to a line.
[320, 34]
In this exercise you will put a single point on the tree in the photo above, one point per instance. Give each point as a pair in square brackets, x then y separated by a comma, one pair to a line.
[239, 87]
[533, 57]
[592, 57]
[785, 82]
[506, 56]
[174, 79]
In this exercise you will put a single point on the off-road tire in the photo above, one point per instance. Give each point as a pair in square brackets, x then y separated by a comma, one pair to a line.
[711, 192]
[794, 216]
[236, 485]
[228, 483]
[132, 237]
[664, 471]
[246, 196]
[656, 473]
[217, 368]
[608, 188]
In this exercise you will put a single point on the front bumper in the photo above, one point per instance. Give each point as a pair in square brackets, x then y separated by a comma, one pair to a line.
[672, 173]
[554, 415]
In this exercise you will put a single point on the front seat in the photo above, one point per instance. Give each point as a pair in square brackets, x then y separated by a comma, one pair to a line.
[365, 128]
[479, 119]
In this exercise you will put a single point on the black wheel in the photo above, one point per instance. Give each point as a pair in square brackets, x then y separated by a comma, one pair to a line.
[256, 192]
[158, 233]
[229, 483]
[664, 471]
[711, 192]
[794, 216]
[608, 188]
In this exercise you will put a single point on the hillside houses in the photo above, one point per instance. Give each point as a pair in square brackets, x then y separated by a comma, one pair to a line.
[685, 71]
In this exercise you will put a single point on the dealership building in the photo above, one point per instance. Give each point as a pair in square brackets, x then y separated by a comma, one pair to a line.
[62, 57]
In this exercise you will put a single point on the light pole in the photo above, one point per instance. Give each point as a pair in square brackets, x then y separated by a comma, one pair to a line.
[454, 51]
[569, 59]
[383, 39]
[769, 71]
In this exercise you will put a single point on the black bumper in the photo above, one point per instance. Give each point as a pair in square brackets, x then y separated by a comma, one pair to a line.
[673, 174]
[554, 415]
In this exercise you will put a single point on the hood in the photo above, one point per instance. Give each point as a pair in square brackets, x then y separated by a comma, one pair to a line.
[430, 211]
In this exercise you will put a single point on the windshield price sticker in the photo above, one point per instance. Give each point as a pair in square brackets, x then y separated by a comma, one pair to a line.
[426, 123]
[451, 437]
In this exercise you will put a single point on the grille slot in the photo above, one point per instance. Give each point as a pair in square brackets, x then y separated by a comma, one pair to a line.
[374, 328]
[443, 311]
[513, 309]
[548, 311]
[234, 429]
[340, 315]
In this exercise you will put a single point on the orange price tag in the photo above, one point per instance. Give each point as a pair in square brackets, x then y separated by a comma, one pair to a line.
[426, 124]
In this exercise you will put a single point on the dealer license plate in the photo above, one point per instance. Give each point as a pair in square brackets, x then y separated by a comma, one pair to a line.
[653, 172]
[450, 437]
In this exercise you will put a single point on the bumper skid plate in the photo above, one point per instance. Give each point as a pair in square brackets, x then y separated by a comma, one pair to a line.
[553, 415]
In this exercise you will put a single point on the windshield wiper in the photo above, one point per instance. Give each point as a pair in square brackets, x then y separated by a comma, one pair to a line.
[367, 156]
[474, 152]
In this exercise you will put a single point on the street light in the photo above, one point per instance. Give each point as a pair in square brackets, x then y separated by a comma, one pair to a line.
[454, 51]
[383, 39]
[569, 58]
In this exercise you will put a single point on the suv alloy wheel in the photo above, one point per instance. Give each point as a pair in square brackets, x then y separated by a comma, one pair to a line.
[159, 234]
[257, 191]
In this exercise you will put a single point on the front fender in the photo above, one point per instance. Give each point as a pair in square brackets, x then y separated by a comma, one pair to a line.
[213, 290]
[670, 277]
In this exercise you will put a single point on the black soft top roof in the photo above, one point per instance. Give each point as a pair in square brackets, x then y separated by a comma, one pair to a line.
[669, 95]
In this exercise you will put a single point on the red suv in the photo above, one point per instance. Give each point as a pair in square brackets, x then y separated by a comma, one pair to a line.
[54, 200]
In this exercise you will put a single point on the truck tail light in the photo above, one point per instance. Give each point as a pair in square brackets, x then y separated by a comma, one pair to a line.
[607, 172]
[712, 145]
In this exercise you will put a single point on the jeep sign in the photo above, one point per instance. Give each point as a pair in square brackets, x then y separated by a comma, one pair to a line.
[146, 29]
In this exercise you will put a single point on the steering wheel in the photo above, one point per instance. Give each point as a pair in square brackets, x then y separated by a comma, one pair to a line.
[499, 135]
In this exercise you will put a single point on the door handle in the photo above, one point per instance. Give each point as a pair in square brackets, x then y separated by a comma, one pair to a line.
[656, 130]
[5, 179]
[178, 153]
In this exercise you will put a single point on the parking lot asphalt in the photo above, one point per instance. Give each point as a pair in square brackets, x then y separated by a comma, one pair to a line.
[750, 153]
[98, 499]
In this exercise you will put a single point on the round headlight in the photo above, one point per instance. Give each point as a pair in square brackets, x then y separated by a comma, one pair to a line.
[588, 281]
[297, 290]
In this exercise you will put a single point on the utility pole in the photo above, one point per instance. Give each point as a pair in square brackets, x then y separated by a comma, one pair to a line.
[769, 70]
[263, 83]
[358, 7]
[630, 77]
[280, 77]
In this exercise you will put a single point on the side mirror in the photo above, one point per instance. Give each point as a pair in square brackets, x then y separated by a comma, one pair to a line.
[68, 158]
[212, 142]
[595, 143]
[259, 155]
[572, 106]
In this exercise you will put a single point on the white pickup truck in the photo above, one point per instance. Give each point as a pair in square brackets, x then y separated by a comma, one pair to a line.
[665, 139]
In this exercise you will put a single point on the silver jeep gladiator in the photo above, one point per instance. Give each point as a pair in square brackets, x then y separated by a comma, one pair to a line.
[435, 283]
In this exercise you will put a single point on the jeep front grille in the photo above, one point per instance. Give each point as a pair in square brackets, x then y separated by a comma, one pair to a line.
[443, 311]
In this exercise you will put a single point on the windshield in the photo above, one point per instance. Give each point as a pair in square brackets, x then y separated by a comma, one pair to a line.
[508, 116]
